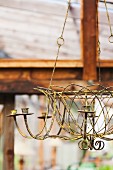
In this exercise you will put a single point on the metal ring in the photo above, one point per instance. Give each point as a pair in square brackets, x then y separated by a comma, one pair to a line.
[111, 38]
[60, 41]
[83, 145]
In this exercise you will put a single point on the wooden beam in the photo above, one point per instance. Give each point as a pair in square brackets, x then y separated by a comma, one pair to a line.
[22, 81]
[34, 63]
[88, 38]
[105, 64]
[8, 142]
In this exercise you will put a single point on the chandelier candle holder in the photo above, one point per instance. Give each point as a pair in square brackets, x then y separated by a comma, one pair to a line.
[81, 113]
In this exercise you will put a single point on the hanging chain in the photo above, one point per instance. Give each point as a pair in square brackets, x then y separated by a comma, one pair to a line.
[60, 42]
[98, 47]
[99, 72]
[108, 17]
[111, 36]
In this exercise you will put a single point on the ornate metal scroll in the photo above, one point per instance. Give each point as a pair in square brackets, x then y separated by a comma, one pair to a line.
[80, 115]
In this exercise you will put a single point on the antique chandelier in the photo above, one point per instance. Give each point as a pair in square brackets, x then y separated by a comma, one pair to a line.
[80, 112]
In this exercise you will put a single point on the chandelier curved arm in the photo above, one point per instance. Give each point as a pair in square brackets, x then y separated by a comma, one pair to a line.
[14, 116]
[69, 112]
[105, 90]
[52, 102]
[19, 130]
[37, 137]
[62, 116]
[102, 109]
[51, 95]
[62, 122]
[46, 116]
[65, 137]
[27, 127]
[61, 125]
[75, 94]
[107, 139]
[110, 130]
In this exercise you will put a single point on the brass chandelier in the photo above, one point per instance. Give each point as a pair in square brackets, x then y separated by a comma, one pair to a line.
[79, 114]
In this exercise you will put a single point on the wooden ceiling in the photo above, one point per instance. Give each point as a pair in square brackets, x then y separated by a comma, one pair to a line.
[29, 29]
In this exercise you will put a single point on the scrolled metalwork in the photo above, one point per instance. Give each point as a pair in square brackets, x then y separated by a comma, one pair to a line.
[79, 115]
[80, 112]
[98, 145]
[84, 145]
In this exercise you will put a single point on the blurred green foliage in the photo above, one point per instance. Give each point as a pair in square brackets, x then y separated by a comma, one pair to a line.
[106, 167]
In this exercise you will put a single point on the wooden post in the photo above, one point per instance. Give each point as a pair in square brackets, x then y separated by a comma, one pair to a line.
[41, 155]
[53, 154]
[1, 122]
[8, 133]
[21, 163]
[41, 124]
[88, 38]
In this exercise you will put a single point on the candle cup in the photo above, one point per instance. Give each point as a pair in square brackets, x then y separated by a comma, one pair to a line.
[25, 110]
[44, 114]
[13, 112]
[87, 107]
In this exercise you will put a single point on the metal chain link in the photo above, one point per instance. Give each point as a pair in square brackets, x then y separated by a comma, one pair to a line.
[98, 47]
[110, 27]
[60, 42]
[111, 35]
[99, 71]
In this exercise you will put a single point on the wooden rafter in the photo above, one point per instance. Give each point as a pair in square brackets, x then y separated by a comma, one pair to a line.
[23, 80]
[20, 76]
[34, 63]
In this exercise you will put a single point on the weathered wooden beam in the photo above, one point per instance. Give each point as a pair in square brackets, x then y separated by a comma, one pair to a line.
[8, 142]
[22, 81]
[34, 63]
[88, 38]
[105, 64]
